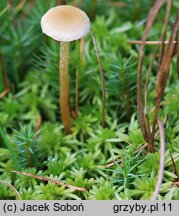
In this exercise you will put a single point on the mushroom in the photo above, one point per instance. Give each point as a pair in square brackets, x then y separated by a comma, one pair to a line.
[65, 23]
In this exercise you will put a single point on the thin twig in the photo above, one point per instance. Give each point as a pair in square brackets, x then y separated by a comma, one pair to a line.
[141, 117]
[175, 171]
[50, 180]
[149, 42]
[121, 159]
[162, 161]
[164, 30]
[103, 80]
[163, 73]
[146, 111]
[12, 187]
[5, 92]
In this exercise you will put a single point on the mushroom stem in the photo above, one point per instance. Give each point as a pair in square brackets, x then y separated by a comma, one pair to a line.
[64, 86]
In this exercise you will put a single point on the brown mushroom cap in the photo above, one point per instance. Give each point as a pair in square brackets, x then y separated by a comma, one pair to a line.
[65, 23]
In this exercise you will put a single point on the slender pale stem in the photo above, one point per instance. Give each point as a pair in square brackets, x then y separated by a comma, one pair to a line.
[102, 78]
[162, 162]
[82, 52]
[64, 86]
[12, 188]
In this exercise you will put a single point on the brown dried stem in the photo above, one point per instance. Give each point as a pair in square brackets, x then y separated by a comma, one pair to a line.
[146, 111]
[50, 180]
[151, 17]
[4, 74]
[5, 92]
[176, 184]
[164, 30]
[175, 171]
[163, 73]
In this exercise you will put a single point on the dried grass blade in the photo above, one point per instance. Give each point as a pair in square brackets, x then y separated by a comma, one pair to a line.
[163, 72]
[5, 92]
[151, 17]
[51, 180]
[175, 171]
[164, 30]
[4, 73]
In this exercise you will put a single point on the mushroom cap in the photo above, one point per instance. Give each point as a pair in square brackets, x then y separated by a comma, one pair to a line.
[65, 23]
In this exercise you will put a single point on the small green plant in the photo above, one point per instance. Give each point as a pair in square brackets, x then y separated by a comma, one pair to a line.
[124, 173]
[26, 147]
